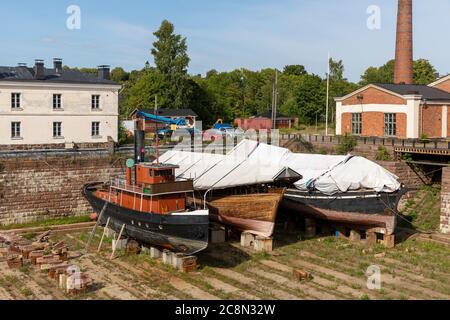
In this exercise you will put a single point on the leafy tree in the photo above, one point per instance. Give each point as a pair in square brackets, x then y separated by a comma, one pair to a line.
[295, 70]
[119, 75]
[336, 70]
[424, 72]
[172, 61]
[383, 74]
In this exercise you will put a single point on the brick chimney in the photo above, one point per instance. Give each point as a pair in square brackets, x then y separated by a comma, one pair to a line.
[39, 69]
[404, 46]
[104, 72]
[58, 65]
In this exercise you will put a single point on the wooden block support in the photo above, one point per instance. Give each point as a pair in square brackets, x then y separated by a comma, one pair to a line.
[263, 244]
[301, 275]
[155, 253]
[217, 235]
[167, 257]
[371, 238]
[310, 228]
[389, 241]
[355, 236]
[247, 239]
[120, 244]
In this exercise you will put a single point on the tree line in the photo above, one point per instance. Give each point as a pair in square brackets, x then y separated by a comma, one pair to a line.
[241, 92]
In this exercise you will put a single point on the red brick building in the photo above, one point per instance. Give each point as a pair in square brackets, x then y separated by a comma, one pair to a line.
[396, 110]
[264, 122]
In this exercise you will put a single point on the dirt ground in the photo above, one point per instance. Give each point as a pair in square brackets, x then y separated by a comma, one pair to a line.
[413, 270]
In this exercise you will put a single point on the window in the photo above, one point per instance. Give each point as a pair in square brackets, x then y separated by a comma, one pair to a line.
[57, 104]
[357, 123]
[390, 124]
[57, 129]
[95, 102]
[95, 129]
[15, 100]
[15, 130]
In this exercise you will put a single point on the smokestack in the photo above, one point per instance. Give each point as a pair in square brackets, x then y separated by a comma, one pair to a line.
[58, 65]
[404, 47]
[39, 71]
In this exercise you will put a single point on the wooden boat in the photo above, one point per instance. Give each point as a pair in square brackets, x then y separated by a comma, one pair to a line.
[255, 213]
[360, 208]
[152, 210]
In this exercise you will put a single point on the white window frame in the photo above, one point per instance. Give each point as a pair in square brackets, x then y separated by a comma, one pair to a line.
[16, 101]
[390, 124]
[57, 132]
[95, 129]
[57, 105]
[95, 102]
[16, 130]
[357, 123]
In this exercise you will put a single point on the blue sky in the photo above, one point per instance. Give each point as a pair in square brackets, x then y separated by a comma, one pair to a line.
[222, 34]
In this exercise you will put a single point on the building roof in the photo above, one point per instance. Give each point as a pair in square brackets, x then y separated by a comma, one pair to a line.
[268, 114]
[66, 76]
[170, 112]
[403, 90]
[440, 80]
[428, 93]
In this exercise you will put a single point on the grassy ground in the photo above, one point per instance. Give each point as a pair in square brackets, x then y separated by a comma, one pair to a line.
[423, 210]
[48, 223]
[413, 270]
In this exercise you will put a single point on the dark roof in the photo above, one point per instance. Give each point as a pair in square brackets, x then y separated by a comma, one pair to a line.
[268, 114]
[171, 112]
[66, 76]
[426, 92]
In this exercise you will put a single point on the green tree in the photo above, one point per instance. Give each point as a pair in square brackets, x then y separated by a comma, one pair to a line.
[424, 72]
[295, 70]
[119, 75]
[336, 70]
[172, 61]
[383, 74]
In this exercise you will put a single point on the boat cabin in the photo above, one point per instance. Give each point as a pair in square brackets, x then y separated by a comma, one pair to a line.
[155, 190]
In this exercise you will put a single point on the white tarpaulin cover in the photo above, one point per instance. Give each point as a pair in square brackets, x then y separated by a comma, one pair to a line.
[251, 163]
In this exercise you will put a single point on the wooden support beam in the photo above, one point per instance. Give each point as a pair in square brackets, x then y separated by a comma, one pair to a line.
[103, 235]
[115, 244]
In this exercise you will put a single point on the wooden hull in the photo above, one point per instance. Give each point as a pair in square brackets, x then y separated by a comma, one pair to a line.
[255, 213]
[183, 232]
[365, 209]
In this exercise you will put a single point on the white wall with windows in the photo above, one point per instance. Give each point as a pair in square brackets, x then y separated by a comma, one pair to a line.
[37, 113]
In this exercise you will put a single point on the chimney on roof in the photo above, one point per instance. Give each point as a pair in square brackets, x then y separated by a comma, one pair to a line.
[404, 46]
[39, 70]
[104, 72]
[22, 65]
[58, 65]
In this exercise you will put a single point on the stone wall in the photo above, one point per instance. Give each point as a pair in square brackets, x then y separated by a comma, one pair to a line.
[445, 201]
[48, 187]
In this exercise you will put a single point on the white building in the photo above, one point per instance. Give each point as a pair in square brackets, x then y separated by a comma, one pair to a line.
[42, 108]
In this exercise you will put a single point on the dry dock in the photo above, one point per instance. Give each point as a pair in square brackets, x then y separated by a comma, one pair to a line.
[414, 269]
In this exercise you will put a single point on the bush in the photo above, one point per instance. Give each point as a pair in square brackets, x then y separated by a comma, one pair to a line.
[383, 154]
[346, 145]
[323, 151]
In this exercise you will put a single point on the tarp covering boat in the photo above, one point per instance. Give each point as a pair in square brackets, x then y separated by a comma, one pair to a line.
[251, 163]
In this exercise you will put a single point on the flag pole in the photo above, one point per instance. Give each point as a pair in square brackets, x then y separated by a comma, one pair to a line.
[328, 95]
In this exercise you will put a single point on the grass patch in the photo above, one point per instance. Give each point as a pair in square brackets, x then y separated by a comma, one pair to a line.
[424, 209]
[48, 223]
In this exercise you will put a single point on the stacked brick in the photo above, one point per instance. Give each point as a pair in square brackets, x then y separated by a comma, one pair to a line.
[445, 201]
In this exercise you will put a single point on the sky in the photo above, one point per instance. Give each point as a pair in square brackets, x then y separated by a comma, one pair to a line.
[221, 34]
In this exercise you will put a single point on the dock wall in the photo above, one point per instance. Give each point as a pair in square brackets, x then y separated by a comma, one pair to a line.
[445, 201]
[36, 187]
